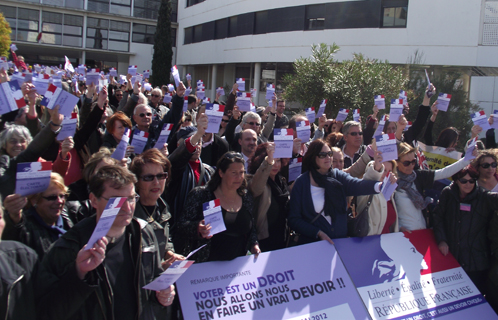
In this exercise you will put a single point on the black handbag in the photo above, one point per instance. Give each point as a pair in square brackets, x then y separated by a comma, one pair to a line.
[358, 224]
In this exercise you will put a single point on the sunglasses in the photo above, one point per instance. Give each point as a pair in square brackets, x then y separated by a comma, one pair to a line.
[155, 95]
[54, 197]
[253, 123]
[150, 177]
[148, 114]
[487, 165]
[188, 119]
[464, 181]
[232, 155]
[354, 134]
[407, 163]
[323, 155]
[223, 120]
[119, 95]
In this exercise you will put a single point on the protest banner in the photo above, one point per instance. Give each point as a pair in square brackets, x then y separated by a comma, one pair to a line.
[438, 157]
[272, 286]
[405, 276]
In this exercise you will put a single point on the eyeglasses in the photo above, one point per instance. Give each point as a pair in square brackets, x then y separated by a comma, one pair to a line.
[155, 95]
[131, 199]
[54, 197]
[253, 123]
[148, 114]
[354, 134]
[407, 163]
[232, 155]
[150, 177]
[223, 120]
[188, 119]
[323, 155]
[487, 165]
[464, 181]
[119, 95]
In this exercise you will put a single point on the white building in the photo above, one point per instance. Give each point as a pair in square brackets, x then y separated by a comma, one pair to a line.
[101, 33]
[220, 40]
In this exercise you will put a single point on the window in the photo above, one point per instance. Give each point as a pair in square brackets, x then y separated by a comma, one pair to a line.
[192, 2]
[147, 9]
[394, 17]
[108, 34]
[260, 26]
[143, 33]
[174, 10]
[197, 33]
[51, 27]
[394, 13]
[315, 17]
[98, 6]
[72, 31]
[221, 29]
[28, 27]
[232, 26]
[189, 35]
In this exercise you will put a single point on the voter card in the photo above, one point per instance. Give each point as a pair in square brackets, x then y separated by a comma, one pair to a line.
[342, 115]
[386, 144]
[443, 101]
[213, 216]
[396, 110]
[132, 70]
[106, 220]
[479, 118]
[164, 135]
[170, 276]
[241, 82]
[380, 101]
[244, 101]
[139, 141]
[303, 131]
[295, 168]
[68, 127]
[284, 140]
[120, 151]
[32, 177]
[215, 114]
[321, 109]
[310, 114]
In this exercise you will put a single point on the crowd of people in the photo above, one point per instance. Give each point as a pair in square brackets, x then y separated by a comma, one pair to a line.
[49, 273]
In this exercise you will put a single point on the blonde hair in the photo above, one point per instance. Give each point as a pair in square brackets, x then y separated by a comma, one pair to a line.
[404, 149]
[55, 179]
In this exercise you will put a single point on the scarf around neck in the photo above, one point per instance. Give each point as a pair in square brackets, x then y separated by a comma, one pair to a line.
[405, 182]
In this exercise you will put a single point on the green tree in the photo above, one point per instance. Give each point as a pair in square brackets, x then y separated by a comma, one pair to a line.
[351, 84]
[5, 32]
[163, 52]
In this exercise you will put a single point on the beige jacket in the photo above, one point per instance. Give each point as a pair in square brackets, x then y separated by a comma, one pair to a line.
[261, 192]
[377, 213]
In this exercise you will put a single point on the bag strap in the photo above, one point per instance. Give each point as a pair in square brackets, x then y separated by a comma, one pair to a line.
[201, 177]
[369, 201]
[318, 214]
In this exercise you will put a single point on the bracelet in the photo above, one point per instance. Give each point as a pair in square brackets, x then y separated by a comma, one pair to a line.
[55, 125]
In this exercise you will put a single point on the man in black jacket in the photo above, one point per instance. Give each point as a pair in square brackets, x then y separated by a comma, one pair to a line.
[104, 282]
[19, 265]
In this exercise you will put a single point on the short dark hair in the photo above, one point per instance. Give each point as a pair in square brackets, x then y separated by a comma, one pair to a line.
[292, 121]
[192, 98]
[470, 170]
[153, 156]
[115, 175]
[309, 159]
[222, 165]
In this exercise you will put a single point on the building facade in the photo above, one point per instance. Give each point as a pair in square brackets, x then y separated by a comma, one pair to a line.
[100, 33]
[220, 40]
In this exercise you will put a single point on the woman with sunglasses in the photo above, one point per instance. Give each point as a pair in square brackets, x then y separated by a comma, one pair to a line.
[411, 186]
[485, 163]
[152, 169]
[318, 199]
[228, 184]
[223, 125]
[40, 219]
[461, 221]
